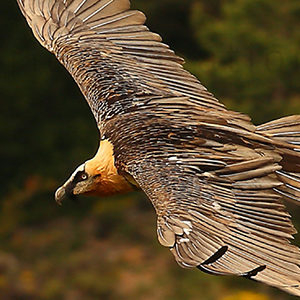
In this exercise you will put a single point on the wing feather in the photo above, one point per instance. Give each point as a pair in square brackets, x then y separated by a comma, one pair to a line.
[223, 221]
[79, 29]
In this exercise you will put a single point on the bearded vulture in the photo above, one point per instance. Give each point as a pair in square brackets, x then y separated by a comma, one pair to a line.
[216, 181]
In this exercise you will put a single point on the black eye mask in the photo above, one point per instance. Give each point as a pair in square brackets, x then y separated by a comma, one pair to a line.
[80, 176]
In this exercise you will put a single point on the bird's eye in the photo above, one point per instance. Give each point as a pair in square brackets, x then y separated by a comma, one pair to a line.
[80, 176]
[83, 176]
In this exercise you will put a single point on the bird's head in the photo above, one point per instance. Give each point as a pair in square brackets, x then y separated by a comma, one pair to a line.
[96, 177]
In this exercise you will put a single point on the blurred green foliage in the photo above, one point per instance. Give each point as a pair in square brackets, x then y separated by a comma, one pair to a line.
[245, 51]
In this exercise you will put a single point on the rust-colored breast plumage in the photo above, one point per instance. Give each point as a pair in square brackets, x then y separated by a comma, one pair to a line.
[216, 181]
[107, 179]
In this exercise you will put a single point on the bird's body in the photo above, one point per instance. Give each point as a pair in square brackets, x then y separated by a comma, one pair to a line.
[216, 181]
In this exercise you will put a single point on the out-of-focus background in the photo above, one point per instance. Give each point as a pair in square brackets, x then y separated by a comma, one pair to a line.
[245, 51]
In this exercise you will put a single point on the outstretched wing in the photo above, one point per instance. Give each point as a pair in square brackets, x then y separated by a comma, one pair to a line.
[225, 222]
[114, 58]
[213, 186]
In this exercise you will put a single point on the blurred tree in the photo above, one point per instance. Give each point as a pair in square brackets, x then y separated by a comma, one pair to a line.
[253, 54]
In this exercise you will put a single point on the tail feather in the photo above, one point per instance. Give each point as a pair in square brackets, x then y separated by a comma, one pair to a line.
[291, 186]
[287, 131]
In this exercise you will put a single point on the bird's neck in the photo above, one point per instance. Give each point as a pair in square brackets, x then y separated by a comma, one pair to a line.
[107, 179]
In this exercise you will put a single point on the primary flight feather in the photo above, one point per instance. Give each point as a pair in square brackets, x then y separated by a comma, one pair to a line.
[217, 182]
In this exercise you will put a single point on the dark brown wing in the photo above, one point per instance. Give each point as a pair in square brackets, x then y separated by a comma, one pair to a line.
[213, 186]
[227, 221]
[116, 61]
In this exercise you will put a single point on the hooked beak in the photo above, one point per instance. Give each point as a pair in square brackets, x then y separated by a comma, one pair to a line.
[62, 193]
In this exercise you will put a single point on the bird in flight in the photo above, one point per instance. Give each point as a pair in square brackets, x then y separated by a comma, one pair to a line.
[216, 181]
